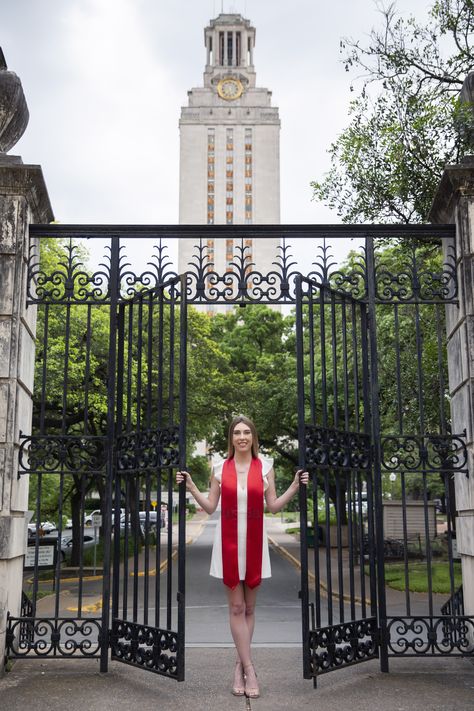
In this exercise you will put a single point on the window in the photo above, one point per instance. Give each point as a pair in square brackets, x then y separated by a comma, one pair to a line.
[238, 43]
[210, 176]
[221, 48]
[248, 174]
[229, 158]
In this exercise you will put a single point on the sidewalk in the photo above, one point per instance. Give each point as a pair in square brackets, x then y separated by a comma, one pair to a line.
[75, 685]
[437, 684]
[289, 546]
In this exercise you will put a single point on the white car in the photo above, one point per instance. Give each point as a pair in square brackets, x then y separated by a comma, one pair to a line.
[45, 528]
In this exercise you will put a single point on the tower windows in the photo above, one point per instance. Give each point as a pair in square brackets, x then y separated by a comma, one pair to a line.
[248, 177]
[229, 159]
[221, 49]
[211, 140]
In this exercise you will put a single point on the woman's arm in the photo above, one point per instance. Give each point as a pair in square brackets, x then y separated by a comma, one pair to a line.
[208, 503]
[276, 504]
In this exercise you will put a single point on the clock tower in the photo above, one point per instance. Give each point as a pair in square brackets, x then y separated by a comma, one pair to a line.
[229, 147]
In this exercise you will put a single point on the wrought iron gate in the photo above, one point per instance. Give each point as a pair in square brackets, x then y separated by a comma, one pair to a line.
[375, 431]
[150, 436]
[109, 429]
[339, 617]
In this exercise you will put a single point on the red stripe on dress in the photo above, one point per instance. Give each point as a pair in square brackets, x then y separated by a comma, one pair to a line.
[229, 525]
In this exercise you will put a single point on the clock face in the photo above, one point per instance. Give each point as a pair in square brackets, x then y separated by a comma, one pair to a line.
[230, 89]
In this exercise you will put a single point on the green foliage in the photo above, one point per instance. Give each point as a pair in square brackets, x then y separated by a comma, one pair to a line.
[418, 577]
[258, 380]
[407, 122]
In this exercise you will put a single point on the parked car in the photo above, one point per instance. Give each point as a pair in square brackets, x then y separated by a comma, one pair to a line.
[45, 528]
[66, 545]
[98, 512]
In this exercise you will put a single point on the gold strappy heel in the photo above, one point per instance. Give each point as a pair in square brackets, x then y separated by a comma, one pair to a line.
[251, 692]
[239, 684]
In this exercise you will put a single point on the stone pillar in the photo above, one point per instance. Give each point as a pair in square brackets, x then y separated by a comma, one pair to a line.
[454, 203]
[23, 200]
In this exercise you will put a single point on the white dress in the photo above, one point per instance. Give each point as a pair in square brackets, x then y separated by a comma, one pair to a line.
[216, 559]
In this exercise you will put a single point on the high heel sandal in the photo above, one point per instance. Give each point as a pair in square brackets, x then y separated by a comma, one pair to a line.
[252, 692]
[239, 684]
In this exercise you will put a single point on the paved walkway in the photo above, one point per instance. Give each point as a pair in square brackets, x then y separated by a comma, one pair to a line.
[289, 546]
[437, 684]
[434, 685]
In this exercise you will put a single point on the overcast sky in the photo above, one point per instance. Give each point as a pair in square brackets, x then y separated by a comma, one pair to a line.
[105, 81]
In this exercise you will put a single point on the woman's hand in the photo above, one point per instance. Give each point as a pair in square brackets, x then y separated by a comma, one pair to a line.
[184, 476]
[301, 477]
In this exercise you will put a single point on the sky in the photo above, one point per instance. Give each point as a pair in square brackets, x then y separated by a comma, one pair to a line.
[105, 81]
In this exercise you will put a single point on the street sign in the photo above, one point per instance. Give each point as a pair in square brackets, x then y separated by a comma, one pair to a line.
[97, 520]
[154, 504]
[45, 556]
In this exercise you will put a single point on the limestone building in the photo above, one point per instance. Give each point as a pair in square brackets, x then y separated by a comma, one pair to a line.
[229, 147]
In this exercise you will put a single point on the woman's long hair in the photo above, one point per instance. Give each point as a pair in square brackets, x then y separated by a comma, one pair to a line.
[245, 420]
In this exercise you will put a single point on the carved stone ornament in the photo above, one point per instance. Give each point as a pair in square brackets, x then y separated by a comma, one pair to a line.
[14, 114]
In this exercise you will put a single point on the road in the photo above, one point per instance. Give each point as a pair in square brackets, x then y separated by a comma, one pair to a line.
[278, 615]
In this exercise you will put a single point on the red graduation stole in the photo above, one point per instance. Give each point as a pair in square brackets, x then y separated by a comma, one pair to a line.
[230, 562]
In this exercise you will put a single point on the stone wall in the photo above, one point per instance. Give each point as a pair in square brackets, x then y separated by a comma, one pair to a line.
[454, 203]
[23, 200]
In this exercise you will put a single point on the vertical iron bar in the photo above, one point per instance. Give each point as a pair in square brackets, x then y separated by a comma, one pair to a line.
[181, 596]
[376, 451]
[118, 479]
[302, 490]
[111, 381]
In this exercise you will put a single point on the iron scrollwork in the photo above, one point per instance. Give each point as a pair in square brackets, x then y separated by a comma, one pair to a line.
[241, 281]
[148, 449]
[326, 447]
[147, 647]
[413, 282]
[437, 453]
[62, 453]
[444, 635]
[71, 281]
[343, 645]
[49, 637]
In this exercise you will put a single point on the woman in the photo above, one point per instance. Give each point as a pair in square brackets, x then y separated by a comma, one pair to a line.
[240, 553]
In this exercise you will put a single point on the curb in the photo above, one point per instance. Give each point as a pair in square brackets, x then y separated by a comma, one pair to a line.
[285, 553]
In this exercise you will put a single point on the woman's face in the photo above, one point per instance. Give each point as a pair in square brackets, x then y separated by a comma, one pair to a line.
[242, 438]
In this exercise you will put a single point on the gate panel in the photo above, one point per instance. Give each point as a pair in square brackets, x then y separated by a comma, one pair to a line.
[65, 461]
[418, 453]
[338, 587]
[149, 519]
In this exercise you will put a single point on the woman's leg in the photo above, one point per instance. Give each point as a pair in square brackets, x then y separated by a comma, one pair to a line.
[250, 595]
[238, 623]
[242, 621]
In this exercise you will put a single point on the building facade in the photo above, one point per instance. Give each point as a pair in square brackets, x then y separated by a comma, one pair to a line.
[229, 148]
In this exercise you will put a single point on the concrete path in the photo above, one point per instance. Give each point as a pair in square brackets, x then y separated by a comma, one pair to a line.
[434, 685]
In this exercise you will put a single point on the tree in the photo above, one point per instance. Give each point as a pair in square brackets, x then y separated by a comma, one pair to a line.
[259, 380]
[408, 121]
[71, 390]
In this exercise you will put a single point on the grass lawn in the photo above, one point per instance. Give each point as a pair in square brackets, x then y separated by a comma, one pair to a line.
[418, 577]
